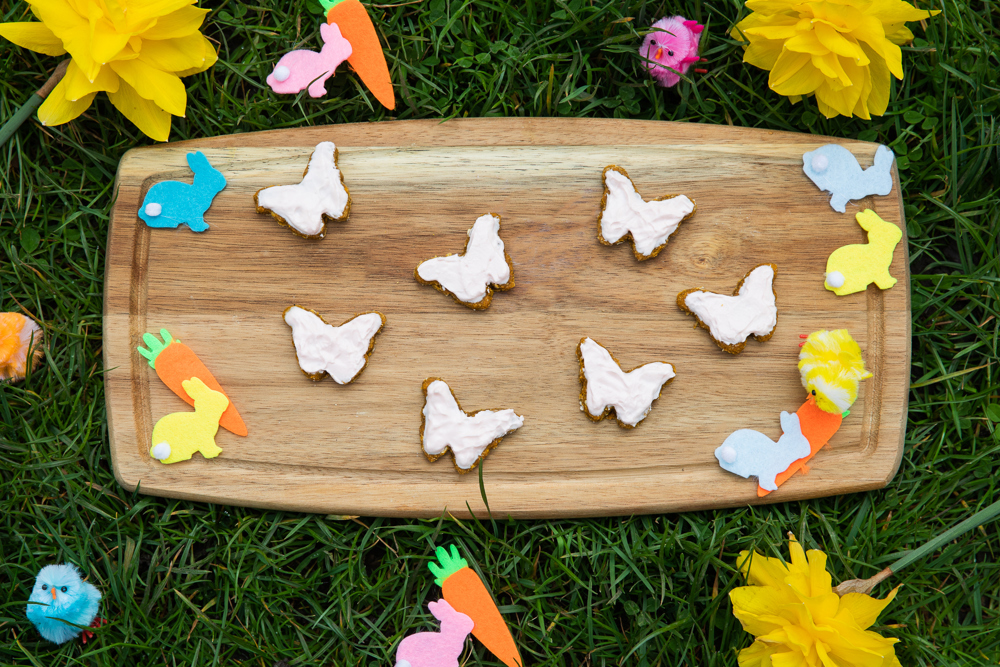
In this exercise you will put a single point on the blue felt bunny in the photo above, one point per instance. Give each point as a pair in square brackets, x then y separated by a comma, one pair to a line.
[751, 453]
[172, 203]
[834, 169]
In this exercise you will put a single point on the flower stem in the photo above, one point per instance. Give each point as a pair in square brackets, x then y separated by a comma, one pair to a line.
[33, 102]
[865, 586]
[977, 519]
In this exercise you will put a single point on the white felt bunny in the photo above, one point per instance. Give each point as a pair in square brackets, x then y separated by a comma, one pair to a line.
[750, 453]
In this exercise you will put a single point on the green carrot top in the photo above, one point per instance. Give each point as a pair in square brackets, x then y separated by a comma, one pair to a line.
[450, 564]
[155, 346]
[329, 4]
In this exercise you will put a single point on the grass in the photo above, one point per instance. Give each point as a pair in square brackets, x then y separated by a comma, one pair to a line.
[196, 584]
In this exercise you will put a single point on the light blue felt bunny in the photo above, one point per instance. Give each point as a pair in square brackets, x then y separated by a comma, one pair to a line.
[835, 169]
[172, 203]
[750, 453]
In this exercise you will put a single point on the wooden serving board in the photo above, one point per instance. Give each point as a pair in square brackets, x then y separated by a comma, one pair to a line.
[417, 186]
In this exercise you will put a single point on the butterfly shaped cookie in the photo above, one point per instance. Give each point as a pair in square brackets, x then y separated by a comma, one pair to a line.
[625, 214]
[607, 387]
[471, 277]
[323, 349]
[470, 437]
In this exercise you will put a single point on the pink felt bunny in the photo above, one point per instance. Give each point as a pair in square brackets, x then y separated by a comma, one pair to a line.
[673, 44]
[301, 69]
[436, 649]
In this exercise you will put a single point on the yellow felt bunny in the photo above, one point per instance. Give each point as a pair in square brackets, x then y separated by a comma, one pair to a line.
[177, 436]
[851, 268]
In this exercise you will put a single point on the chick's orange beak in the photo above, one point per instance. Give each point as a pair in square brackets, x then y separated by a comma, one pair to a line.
[53, 593]
[659, 53]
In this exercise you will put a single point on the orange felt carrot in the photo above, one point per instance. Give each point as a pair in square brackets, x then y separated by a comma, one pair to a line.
[818, 427]
[175, 362]
[366, 56]
[465, 592]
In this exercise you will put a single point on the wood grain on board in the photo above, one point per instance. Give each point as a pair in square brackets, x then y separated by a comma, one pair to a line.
[417, 186]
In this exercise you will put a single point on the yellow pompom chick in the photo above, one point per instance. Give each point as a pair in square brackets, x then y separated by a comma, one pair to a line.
[831, 365]
[177, 436]
[19, 335]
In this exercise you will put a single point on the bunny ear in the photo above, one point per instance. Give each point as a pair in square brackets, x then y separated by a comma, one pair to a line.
[330, 32]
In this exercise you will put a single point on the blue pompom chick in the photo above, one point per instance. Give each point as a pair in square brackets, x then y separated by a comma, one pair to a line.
[62, 596]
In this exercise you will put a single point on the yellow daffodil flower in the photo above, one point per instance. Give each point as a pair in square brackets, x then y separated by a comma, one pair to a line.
[797, 618]
[841, 51]
[134, 50]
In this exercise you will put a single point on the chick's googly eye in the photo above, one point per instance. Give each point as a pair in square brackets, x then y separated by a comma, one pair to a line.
[652, 42]
[44, 587]
[64, 589]
[813, 392]
[670, 53]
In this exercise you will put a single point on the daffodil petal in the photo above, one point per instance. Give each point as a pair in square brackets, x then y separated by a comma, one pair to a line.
[824, 656]
[116, 14]
[763, 53]
[896, 11]
[898, 33]
[864, 608]
[878, 98]
[872, 33]
[155, 9]
[787, 659]
[106, 41]
[807, 42]
[770, 7]
[177, 24]
[163, 88]
[839, 44]
[151, 119]
[842, 100]
[794, 74]
[757, 608]
[842, 16]
[761, 570]
[69, 26]
[175, 55]
[796, 553]
[34, 36]
[819, 578]
[772, 31]
[56, 109]
[757, 654]
[209, 55]
[78, 85]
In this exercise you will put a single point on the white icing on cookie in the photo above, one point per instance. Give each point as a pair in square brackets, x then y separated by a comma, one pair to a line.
[321, 192]
[324, 348]
[732, 319]
[469, 275]
[630, 394]
[649, 222]
[446, 426]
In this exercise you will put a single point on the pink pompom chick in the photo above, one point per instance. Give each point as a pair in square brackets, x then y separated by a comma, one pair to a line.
[673, 45]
